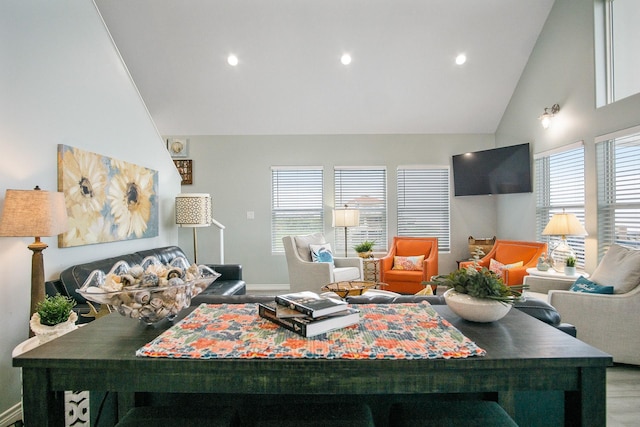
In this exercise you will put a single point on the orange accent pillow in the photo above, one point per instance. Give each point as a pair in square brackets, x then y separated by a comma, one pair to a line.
[498, 267]
[411, 263]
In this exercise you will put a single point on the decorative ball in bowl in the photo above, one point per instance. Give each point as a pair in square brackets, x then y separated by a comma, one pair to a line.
[150, 291]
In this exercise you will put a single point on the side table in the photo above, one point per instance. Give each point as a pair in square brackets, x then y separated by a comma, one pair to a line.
[76, 403]
[371, 269]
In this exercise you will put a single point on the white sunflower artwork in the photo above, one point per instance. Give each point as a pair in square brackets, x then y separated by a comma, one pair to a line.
[107, 200]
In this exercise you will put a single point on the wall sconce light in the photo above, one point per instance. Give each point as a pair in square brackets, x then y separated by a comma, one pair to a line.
[548, 114]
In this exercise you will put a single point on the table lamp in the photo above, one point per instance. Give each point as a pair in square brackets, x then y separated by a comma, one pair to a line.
[346, 218]
[34, 213]
[193, 210]
[563, 225]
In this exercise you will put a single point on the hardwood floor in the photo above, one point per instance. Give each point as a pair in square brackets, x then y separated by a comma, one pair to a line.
[623, 396]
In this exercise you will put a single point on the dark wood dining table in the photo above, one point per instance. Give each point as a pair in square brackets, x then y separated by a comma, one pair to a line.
[523, 355]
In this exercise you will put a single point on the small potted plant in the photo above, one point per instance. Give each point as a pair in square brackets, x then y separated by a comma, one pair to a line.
[365, 249]
[54, 316]
[570, 266]
[479, 295]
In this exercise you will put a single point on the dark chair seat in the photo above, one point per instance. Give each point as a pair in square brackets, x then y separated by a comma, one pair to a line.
[450, 413]
[312, 415]
[159, 416]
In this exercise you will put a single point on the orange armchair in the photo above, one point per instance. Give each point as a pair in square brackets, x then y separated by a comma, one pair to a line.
[510, 252]
[408, 281]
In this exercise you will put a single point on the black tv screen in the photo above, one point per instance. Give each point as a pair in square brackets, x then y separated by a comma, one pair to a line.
[497, 171]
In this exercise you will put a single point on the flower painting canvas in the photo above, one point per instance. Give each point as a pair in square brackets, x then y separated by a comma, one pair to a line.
[107, 200]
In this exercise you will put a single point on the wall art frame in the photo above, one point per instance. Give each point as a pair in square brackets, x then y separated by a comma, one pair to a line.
[107, 200]
[178, 147]
[185, 169]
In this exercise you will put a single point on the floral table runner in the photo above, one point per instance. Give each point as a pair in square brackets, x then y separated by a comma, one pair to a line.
[385, 331]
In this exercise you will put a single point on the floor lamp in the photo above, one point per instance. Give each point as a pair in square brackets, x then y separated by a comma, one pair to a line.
[346, 218]
[563, 225]
[34, 213]
[193, 210]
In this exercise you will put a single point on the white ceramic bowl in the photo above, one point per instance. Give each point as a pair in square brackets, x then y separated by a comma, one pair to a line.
[475, 309]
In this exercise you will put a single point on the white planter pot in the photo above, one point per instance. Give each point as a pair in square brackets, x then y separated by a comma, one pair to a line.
[46, 333]
[570, 271]
[475, 309]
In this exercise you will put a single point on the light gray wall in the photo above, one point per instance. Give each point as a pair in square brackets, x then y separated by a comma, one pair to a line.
[235, 170]
[561, 70]
[63, 82]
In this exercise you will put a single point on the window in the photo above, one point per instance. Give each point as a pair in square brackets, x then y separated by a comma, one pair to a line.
[296, 203]
[618, 166]
[363, 188]
[423, 203]
[560, 187]
[618, 43]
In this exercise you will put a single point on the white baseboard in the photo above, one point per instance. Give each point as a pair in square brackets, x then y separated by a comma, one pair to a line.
[11, 415]
[267, 288]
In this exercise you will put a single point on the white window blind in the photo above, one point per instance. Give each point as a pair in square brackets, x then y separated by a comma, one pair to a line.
[365, 189]
[423, 203]
[618, 166]
[296, 203]
[560, 187]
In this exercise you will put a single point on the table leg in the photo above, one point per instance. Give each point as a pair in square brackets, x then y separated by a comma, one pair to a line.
[41, 406]
[507, 400]
[593, 397]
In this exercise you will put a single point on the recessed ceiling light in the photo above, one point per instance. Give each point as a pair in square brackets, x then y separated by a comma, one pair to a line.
[346, 59]
[461, 59]
[232, 60]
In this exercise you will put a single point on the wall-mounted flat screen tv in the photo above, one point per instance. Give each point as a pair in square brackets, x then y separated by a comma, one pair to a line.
[496, 171]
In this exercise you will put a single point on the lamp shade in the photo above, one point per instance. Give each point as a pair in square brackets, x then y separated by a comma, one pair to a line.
[33, 213]
[564, 224]
[346, 217]
[193, 209]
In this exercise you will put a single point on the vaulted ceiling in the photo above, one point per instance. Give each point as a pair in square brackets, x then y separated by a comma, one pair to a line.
[289, 79]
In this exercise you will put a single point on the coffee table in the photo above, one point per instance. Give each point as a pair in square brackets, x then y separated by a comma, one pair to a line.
[523, 354]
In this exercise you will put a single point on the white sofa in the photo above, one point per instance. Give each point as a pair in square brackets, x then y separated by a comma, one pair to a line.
[609, 322]
[306, 275]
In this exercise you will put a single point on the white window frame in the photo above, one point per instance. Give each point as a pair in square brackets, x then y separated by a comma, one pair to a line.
[363, 188]
[616, 47]
[560, 186]
[424, 210]
[297, 202]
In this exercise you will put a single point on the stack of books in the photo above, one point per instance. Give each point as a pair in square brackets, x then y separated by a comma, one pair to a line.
[309, 314]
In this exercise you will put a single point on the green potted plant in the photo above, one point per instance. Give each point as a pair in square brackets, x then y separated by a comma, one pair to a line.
[478, 295]
[365, 249]
[570, 266]
[54, 316]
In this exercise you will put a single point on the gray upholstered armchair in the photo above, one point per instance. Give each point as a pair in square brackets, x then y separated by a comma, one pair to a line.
[306, 275]
[609, 322]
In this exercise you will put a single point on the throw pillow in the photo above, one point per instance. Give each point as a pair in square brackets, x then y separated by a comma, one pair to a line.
[321, 253]
[426, 291]
[620, 268]
[303, 242]
[585, 285]
[498, 267]
[410, 263]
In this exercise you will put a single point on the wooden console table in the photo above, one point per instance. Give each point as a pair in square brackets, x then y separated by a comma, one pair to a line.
[523, 354]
